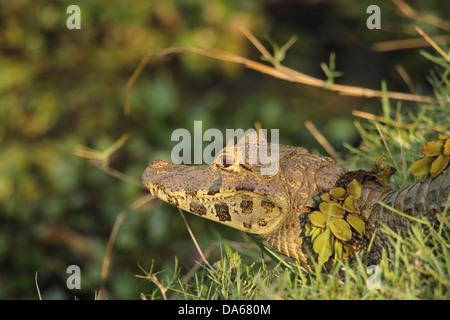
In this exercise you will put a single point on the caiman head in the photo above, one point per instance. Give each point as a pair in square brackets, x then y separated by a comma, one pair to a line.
[242, 193]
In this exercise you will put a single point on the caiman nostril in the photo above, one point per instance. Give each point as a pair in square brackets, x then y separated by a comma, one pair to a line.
[152, 172]
[158, 163]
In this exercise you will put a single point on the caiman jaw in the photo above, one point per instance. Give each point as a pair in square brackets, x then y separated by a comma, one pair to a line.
[240, 200]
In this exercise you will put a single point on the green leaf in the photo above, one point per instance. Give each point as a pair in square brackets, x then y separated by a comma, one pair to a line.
[330, 70]
[435, 59]
[432, 148]
[326, 197]
[316, 232]
[354, 189]
[229, 252]
[422, 166]
[309, 228]
[380, 163]
[338, 249]
[333, 208]
[323, 246]
[338, 193]
[349, 205]
[356, 222]
[446, 151]
[438, 165]
[340, 229]
[279, 53]
[318, 219]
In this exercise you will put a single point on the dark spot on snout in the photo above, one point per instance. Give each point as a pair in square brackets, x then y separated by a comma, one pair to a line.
[247, 225]
[244, 187]
[197, 208]
[267, 205]
[247, 206]
[222, 212]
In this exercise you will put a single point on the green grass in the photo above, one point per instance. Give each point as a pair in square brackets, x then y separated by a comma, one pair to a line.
[416, 266]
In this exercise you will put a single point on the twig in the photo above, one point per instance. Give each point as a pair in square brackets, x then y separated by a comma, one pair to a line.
[406, 78]
[119, 175]
[153, 278]
[406, 43]
[295, 76]
[195, 241]
[369, 116]
[322, 140]
[279, 71]
[112, 237]
[258, 127]
[132, 80]
[266, 54]
[432, 43]
[161, 288]
[37, 285]
[413, 14]
[196, 266]
[101, 159]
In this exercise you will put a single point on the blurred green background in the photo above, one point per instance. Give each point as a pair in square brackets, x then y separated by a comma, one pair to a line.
[60, 88]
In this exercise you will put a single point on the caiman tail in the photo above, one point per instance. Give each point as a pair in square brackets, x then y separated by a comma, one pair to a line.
[420, 199]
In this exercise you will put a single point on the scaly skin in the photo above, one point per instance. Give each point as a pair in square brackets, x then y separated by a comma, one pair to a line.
[277, 206]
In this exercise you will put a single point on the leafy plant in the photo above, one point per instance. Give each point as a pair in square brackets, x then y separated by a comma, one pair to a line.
[331, 228]
[437, 155]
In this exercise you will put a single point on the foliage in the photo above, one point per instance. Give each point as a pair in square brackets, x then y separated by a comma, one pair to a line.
[437, 154]
[417, 267]
[334, 207]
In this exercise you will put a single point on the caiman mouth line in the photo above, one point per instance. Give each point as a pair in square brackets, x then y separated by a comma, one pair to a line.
[195, 196]
[199, 195]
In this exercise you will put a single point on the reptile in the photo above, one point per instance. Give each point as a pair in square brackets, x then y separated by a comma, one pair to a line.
[233, 191]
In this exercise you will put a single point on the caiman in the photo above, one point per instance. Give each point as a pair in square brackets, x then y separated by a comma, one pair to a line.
[277, 206]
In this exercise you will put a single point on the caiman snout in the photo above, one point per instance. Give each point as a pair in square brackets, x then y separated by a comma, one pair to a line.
[240, 199]
[152, 173]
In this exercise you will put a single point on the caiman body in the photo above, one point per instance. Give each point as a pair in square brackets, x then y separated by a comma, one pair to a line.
[276, 206]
